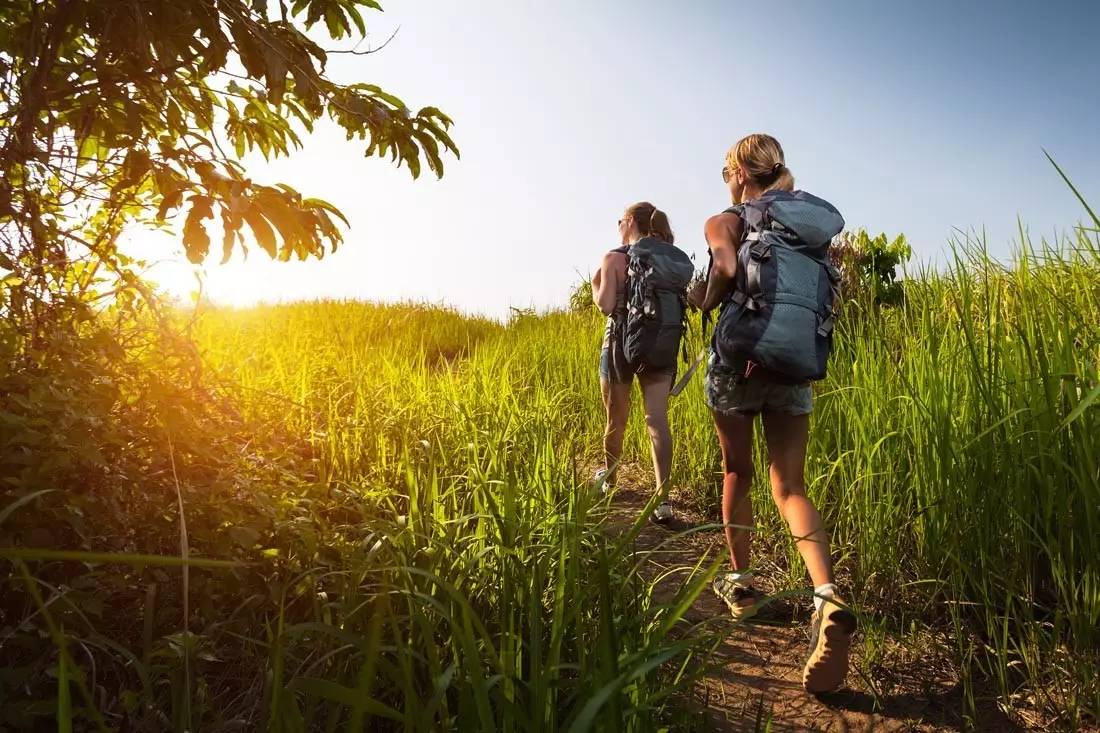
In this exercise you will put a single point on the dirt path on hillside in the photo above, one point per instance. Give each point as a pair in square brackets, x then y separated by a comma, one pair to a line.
[758, 667]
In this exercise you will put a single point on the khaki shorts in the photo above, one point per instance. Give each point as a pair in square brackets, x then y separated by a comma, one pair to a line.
[729, 393]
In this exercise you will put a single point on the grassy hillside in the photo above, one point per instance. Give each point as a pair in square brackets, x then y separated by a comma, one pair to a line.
[403, 492]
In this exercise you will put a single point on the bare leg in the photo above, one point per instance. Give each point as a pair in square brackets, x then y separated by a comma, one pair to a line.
[735, 440]
[616, 401]
[786, 436]
[655, 392]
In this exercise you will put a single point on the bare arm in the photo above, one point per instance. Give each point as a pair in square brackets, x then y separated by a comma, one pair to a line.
[608, 280]
[723, 233]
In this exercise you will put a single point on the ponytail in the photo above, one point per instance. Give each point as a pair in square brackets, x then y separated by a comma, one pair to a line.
[651, 221]
[761, 157]
[659, 226]
[781, 178]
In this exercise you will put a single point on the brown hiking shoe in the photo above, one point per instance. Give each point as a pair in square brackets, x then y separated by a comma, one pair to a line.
[831, 631]
[742, 600]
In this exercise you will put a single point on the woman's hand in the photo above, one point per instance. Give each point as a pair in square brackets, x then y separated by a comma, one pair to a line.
[697, 291]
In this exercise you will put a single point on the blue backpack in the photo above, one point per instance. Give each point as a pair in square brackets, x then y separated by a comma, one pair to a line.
[779, 315]
[654, 304]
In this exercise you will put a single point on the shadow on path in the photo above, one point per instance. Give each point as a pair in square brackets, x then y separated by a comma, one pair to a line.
[756, 678]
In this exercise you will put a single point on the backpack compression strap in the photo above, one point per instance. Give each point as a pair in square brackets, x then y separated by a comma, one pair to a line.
[755, 216]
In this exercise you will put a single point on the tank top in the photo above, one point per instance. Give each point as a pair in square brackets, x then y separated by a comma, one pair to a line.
[618, 314]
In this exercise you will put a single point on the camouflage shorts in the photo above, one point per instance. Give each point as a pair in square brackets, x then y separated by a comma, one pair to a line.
[728, 393]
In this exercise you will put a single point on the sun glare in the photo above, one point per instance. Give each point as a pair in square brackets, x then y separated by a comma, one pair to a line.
[241, 282]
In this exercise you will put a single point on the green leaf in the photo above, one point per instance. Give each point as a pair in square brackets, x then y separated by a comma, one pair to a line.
[243, 536]
[114, 558]
[64, 699]
[261, 229]
[378, 92]
[231, 225]
[335, 22]
[1083, 405]
[322, 204]
[348, 697]
[356, 17]
[1095, 218]
[249, 48]
[10, 508]
[170, 201]
[196, 241]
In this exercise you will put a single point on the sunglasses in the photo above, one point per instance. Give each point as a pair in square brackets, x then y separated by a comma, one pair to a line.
[727, 173]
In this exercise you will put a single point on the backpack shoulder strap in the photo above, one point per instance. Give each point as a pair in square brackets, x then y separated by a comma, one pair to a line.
[755, 215]
[746, 284]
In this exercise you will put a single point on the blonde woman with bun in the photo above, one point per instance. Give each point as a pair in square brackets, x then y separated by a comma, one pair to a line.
[756, 175]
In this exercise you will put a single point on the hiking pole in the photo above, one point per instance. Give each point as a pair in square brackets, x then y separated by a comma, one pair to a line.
[679, 386]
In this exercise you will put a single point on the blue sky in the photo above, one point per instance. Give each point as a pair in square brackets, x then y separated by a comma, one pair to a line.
[918, 118]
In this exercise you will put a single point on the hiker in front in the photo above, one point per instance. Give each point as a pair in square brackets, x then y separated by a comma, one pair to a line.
[640, 286]
[770, 273]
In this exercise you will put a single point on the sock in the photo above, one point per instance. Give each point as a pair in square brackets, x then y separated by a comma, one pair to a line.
[821, 592]
[742, 579]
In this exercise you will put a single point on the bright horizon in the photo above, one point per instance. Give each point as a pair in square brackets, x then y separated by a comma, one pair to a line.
[918, 120]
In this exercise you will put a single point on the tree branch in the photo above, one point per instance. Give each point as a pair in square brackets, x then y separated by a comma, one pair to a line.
[369, 51]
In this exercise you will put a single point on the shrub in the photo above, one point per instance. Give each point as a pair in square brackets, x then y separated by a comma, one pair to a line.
[869, 266]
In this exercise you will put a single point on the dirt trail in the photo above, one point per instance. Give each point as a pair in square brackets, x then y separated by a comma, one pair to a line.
[759, 666]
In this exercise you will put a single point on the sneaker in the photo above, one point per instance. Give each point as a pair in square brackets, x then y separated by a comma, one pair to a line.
[663, 513]
[601, 482]
[831, 631]
[743, 600]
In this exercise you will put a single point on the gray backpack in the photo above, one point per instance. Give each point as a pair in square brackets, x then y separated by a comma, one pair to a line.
[779, 315]
[654, 321]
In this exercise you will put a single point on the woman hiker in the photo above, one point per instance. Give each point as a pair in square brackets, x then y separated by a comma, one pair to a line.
[640, 288]
[736, 393]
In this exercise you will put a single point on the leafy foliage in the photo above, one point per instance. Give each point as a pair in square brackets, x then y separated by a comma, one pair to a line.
[869, 266]
[580, 298]
[132, 111]
[414, 547]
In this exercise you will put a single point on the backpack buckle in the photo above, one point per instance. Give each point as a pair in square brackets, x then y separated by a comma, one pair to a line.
[761, 252]
[745, 301]
[826, 327]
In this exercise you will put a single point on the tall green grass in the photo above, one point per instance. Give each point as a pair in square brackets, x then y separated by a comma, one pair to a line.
[953, 450]
[420, 551]
[955, 453]
[485, 593]
[438, 560]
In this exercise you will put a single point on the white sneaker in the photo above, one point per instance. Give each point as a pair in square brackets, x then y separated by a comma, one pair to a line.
[600, 481]
[663, 513]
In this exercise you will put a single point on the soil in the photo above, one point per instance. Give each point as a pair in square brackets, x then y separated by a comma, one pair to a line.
[755, 680]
